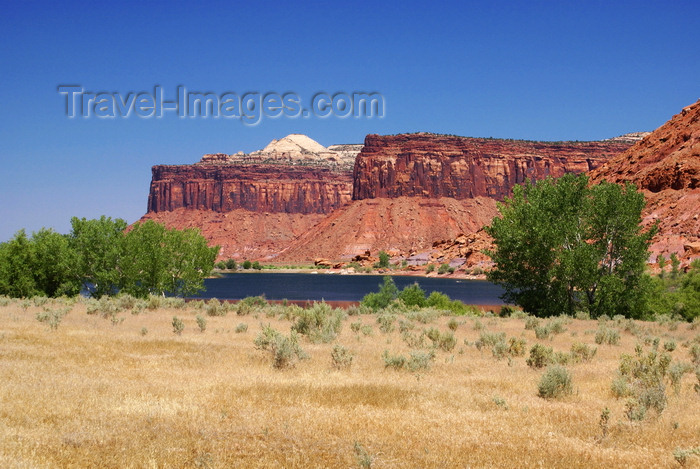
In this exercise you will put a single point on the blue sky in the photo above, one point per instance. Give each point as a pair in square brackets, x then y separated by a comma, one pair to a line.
[530, 70]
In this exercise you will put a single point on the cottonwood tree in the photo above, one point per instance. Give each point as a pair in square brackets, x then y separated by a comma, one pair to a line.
[562, 246]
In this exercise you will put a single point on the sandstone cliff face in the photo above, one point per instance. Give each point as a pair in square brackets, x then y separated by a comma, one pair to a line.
[253, 187]
[665, 165]
[427, 165]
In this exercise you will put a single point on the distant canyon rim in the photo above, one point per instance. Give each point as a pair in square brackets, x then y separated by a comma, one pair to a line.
[421, 197]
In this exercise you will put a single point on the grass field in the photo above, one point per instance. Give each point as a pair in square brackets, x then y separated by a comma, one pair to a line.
[124, 390]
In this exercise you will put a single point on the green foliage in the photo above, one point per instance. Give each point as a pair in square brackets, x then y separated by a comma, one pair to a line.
[178, 325]
[445, 268]
[99, 257]
[555, 382]
[247, 264]
[201, 323]
[388, 292]
[417, 361]
[641, 378]
[429, 268]
[564, 247]
[582, 352]
[231, 264]
[320, 322]
[677, 295]
[216, 308]
[413, 295]
[607, 335]
[285, 350]
[241, 327]
[540, 356]
[383, 261]
[155, 260]
[256, 265]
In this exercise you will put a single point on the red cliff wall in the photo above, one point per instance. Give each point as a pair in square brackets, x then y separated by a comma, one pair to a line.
[427, 165]
[254, 187]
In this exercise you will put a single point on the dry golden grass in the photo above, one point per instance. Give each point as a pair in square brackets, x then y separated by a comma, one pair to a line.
[94, 394]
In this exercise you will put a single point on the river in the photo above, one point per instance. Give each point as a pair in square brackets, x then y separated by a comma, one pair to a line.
[333, 287]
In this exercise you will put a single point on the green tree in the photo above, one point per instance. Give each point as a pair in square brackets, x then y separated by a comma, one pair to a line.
[98, 245]
[387, 293]
[563, 247]
[413, 295]
[157, 260]
[16, 267]
[383, 260]
[661, 262]
[675, 265]
[55, 264]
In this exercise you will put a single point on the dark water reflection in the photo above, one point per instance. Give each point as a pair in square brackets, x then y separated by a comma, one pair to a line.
[330, 287]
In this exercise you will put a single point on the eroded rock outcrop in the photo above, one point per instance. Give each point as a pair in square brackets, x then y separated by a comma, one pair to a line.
[432, 166]
[665, 165]
[254, 187]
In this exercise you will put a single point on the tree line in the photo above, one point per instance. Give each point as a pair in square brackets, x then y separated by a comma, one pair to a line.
[100, 257]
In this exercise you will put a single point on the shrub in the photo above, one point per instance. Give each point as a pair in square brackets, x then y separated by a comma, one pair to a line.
[413, 295]
[695, 354]
[396, 362]
[675, 372]
[52, 318]
[555, 382]
[201, 323]
[320, 322]
[341, 357]
[231, 264]
[540, 356]
[452, 324]
[178, 325]
[489, 339]
[445, 341]
[247, 264]
[381, 299]
[216, 308]
[241, 327]
[386, 322]
[383, 261]
[516, 347]
[285, 350]
[445, 268]
[606, 335]
[670, 345]
[256, 265]
[582, 352]
[531, 322]
[429, 268]
[641, 377]
[414, 340]
[542, 332]
[420, 360]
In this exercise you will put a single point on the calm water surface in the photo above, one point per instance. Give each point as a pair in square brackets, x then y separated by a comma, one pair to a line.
[332, 287]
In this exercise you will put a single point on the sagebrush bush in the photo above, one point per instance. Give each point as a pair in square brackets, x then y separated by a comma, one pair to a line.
[386, 322]
[341, 357]
[582, 352]
[516, 346]
[320, 322]
[607, 335]
[241, 327]
[216, 308]
[641, 378]
[555, 382]
[531, 322]
[178, 325]
[285, 350]
[201, 323]
[445, 340]
[540, 356]
[52, 318]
